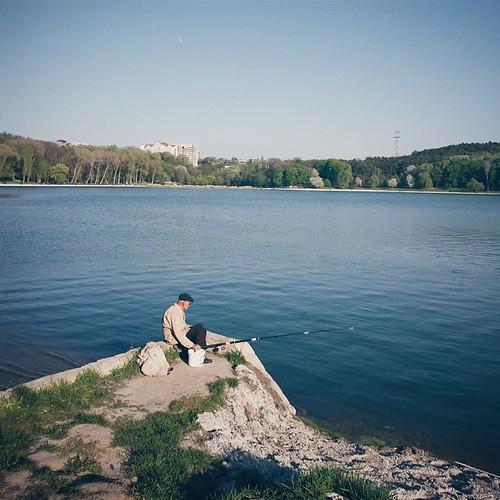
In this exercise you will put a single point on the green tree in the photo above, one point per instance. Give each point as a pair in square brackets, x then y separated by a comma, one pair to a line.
[376, 179]
[424, 180]
[495, 174]
[253, 175]
[183, 160]
[230, 176]
[59, 173]
[166, 172]
[41, 169]
[475, 185]
[338, 172]
[276, 177]
[180, 174]
[296, 175]
[8, 158]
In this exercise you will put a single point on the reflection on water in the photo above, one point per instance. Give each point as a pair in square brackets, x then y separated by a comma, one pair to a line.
[86, 273]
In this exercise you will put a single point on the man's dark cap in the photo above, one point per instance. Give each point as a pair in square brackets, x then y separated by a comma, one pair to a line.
[186, 297]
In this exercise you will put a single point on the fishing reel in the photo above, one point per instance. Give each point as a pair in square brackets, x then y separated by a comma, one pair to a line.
[217, 349]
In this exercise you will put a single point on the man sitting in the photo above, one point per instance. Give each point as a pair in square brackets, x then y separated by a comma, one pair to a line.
[178, 332]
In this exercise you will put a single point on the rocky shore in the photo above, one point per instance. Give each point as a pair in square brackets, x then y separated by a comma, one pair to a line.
[256, 429]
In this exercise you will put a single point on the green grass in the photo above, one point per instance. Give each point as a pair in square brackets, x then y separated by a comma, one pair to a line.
[245, 493]
[191, 402]
[199, 404]
[235, 358]
[77, 464]
[44, 483]
[312, 485]
[60, 429]
[232, 383]
[316, 483]
[90, 418]
[365, 439]
[58, 401]
[217, 390]
[329, 431]
[77, 446]
[128, 370]
[14, 445]
[51, 410]
[161, 468]
[372, 441]
[28, 413]
[46, 446]
[172, 355]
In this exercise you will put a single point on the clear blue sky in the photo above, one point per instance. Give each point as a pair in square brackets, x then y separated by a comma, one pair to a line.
[312, 79]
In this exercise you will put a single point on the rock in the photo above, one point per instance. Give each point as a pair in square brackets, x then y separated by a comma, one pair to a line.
[255, 430]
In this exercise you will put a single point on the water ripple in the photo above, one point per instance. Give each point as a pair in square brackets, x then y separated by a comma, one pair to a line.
[87, 273]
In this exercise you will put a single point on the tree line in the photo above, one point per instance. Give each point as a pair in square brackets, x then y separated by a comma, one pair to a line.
[468, 167]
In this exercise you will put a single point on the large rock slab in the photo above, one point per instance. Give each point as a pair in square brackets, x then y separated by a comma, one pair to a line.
[253, 431]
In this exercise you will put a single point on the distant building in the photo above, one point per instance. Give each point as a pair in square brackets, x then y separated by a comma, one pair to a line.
[160, 147]
[189, 150]
[64, 142]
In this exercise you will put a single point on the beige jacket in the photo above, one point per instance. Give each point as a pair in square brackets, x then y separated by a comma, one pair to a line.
[175, 327]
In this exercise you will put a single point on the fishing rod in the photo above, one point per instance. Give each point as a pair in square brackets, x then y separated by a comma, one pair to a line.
[221, 345]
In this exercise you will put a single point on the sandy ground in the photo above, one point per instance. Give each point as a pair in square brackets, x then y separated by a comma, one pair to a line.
[144, 395]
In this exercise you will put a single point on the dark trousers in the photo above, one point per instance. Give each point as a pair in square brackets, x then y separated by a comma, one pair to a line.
[198, 335]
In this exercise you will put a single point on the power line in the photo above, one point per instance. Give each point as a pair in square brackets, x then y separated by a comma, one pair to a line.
[396, 136]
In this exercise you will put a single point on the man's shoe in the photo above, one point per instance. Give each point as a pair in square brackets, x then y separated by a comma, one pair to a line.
[207, 360]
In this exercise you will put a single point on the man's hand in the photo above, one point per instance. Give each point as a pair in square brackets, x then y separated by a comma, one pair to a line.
[195, 347]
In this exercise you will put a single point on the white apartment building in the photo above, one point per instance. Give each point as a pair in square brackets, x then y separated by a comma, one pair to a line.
[189, 150]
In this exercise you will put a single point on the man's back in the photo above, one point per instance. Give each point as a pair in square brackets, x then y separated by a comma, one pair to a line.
[175, 326]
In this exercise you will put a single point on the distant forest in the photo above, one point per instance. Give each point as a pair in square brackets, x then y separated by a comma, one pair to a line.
[463, 167]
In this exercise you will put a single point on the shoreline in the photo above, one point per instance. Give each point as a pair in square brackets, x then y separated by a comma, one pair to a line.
[258, 427]
[285, 189]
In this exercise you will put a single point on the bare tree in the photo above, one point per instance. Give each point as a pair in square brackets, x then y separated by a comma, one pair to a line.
[26, 152]
[487, 163]
[155, 164]
[109, 157]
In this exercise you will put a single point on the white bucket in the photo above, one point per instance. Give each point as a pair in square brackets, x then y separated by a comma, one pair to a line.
[196, 358]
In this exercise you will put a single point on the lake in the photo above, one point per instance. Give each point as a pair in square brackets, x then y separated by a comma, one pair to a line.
[87, 272]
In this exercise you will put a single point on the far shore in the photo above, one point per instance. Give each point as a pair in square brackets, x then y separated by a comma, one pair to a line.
[192, 186]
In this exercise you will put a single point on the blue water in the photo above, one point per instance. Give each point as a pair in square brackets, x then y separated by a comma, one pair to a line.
[87, 272]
